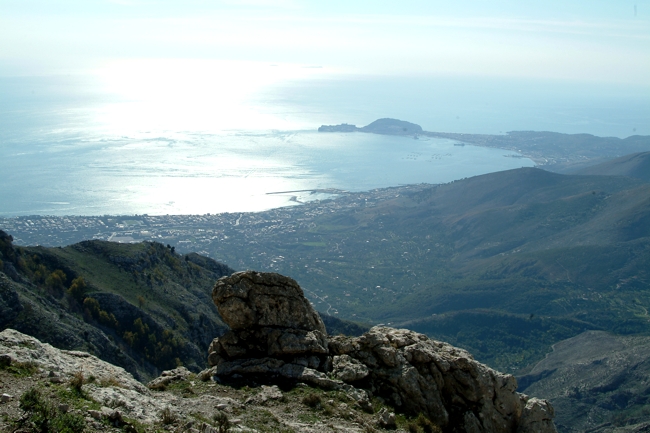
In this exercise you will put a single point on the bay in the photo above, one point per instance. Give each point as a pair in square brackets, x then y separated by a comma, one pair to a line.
[229, 172]
[72, 145]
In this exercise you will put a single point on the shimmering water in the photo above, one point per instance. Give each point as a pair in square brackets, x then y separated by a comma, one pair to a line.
[228, 172]
[73, 146]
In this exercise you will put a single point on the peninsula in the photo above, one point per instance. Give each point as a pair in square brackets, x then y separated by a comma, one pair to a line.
[554, 151]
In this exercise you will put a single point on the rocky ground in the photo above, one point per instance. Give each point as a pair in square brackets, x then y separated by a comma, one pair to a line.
[82, 393]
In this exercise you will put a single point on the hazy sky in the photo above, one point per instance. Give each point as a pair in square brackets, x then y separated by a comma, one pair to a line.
[595, 40]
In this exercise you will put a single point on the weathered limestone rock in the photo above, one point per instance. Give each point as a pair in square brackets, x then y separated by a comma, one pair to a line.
[537, 417]
[266, 393]
[386, 419]
[169, 376]
[62, 364]
[250, 299]
[274, 329]
[417, 374]
[348, 369]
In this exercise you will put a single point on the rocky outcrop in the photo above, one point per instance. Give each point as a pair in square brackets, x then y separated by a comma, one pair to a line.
[62, 365]
[274, 329]
[275, 333]
[112, 387]
[417, 374]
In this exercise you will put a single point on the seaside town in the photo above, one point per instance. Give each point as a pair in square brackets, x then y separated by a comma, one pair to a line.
[187, 233]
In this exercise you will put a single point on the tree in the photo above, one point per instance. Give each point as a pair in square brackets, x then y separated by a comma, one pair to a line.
[78, 289]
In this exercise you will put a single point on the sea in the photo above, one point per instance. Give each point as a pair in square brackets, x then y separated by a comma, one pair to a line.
[130, 142]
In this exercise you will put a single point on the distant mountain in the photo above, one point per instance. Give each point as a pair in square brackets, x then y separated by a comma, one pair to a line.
[554, 151]
[599, 380]
[635, 165]
[392, 127]
[384, 126]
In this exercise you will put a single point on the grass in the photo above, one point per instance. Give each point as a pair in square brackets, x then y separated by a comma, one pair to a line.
[43, 416]
[20, 369]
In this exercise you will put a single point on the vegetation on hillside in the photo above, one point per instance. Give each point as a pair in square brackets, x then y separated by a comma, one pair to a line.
[144, 301]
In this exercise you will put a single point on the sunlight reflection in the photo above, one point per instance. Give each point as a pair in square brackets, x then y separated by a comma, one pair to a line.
[193, 95]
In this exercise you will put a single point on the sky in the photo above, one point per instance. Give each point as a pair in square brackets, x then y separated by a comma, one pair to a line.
[600, 41]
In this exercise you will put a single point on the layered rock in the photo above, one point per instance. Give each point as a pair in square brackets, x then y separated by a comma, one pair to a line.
[273, 329]
[275, 333]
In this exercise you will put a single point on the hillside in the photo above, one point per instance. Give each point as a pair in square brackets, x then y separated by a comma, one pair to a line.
[504, 264]
[599, 379]
[385, 379]
[636, 165]
[139, 306]
[554, 151]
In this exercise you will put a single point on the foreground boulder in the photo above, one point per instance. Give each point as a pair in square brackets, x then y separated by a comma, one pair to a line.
[274, 329]
[276, 334]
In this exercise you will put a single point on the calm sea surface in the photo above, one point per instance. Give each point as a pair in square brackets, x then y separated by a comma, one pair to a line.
[70, 147]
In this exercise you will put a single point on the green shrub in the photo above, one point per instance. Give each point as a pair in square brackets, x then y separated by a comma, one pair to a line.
[41, 416]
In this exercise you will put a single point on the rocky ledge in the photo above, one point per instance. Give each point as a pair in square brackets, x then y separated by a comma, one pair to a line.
[276, 336]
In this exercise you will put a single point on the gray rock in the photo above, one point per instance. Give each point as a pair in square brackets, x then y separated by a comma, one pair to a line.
[276, 334]
[537, 417]
[274, 329]
[62, 364]
[253, 299]
[169, 376]
[348, 369]
[96, 414]
[417, 374]
[266, 393]
[386, 419]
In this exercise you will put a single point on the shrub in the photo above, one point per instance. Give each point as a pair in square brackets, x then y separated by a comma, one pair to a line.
[167, 416]
[77, 381]
[422, 424]
[41, 416]
[78, 289]
[312, 400]
[222, 422]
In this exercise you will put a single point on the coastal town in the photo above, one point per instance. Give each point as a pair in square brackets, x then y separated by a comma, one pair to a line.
[187, 233]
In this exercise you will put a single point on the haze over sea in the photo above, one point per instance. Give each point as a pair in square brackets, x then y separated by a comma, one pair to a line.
[159, 139]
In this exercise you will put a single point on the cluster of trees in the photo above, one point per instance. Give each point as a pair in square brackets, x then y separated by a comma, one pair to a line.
[159, 347]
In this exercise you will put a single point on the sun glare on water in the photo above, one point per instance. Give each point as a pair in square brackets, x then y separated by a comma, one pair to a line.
[193, 95]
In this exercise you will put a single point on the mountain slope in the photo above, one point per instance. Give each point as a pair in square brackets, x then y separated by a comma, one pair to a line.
[636, 165]
[599, 379]
[572, 252]
[139, 306]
